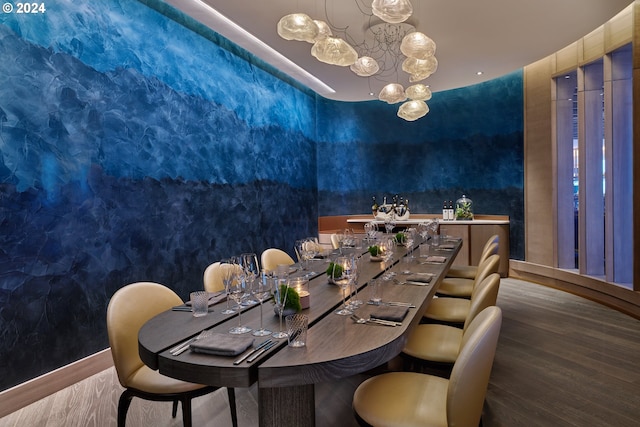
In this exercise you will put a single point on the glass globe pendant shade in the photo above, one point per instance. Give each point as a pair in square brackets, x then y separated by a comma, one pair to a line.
[392, 93]
[365, 66]
[420, 69]
[418, 92]
[392, 11]
[298, 26]
[417, 45]
[334, 51]
[324, 30]
[413, 110]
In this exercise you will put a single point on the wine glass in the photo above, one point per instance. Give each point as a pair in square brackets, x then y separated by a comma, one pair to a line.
[409, 240]
[262, 291]
[355, 261]
[251, 272]
[423, 230]
[342, 276]
[227, 266]
[371, 229]
[390, 223]
[237, 291]
[310, 249]
[388, 246]
[280, 291]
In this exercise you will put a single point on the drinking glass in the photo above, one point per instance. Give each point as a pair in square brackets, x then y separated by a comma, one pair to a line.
[388, 247]
[262, 291]
[410, 238]
[237, 290]
[390, 223]
[354, 301]
[280, 291]
[311, 249]
[342, 276]
[227, 266]
[251, 271]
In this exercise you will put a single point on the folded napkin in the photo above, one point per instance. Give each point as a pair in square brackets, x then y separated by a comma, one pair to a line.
[222, 344]
[392, 313]
[436, 258]
[214, 298]
[422, 278]
[447, 246]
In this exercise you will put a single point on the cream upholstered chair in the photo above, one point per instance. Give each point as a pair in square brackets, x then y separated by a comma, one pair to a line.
[273, 257]
[439, 345]
[454, 310]
[415, 399]
[212, 278]
[462, 288]
[470, 271]
[129, 308]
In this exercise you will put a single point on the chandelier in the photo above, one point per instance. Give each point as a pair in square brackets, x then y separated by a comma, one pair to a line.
[390, 44]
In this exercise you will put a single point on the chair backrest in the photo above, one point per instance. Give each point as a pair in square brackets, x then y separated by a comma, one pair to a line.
[489, 250]
[213, 278]
[335, 241]
[486, 296]
[273, 257]
[491, 240]
[470, 375]
[129, 308]
[489, 266]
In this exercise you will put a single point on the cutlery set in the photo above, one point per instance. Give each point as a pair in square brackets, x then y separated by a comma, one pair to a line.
[256, 352]
[392, 304]
[184, 346]
[362, 320]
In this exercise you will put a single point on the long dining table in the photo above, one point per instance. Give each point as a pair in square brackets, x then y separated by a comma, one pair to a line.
[336, 346]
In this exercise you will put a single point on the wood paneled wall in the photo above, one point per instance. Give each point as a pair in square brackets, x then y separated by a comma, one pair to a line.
[540, 127]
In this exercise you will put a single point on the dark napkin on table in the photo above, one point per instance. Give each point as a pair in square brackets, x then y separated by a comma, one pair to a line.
[436, 258]
[392, 313]
[221, 344]
[422, 278]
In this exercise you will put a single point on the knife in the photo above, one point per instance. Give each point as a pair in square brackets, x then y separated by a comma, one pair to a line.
[261, 351]
[252, 351]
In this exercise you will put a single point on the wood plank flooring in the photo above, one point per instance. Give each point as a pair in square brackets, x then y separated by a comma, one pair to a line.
[561, 361]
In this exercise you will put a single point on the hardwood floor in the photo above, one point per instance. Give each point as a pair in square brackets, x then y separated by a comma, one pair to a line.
[561, 361]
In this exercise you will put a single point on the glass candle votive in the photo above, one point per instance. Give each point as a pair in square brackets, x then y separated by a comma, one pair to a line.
[301, 286]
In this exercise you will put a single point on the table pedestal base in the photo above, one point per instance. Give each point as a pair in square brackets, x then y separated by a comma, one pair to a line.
[287, 406]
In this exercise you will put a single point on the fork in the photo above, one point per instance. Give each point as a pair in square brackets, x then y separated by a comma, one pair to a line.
[359, 319]
[185, 345]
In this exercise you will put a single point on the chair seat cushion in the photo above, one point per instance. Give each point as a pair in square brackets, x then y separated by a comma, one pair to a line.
[463, 271]
[150, 381]
[402, 399]
[456, 287]
[453, 310]
[434, 343]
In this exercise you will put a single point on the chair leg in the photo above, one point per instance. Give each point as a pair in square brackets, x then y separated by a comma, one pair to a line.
[174, 411]
[186, 411]
[123, 407]
[232, 406]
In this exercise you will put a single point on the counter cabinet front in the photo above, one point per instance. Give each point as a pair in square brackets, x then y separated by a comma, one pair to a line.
[474, 233]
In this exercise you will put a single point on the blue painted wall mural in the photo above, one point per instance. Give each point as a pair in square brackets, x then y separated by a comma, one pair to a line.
[137, 145]
[129, 154]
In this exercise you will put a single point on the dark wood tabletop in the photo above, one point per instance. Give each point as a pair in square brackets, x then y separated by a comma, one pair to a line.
[336, 347]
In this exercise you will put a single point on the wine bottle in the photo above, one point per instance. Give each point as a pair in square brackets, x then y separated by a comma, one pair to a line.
[374, 206]
[452, 215]
[445, 211]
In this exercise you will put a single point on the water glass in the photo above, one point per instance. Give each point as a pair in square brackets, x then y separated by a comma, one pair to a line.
[199, 303]
[297, 325]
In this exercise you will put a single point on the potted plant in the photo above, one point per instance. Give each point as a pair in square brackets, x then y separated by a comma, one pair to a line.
[333, 271]
[375, 253]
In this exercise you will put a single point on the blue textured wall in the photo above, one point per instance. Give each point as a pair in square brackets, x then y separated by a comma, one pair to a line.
[132, 149]
[137, 145]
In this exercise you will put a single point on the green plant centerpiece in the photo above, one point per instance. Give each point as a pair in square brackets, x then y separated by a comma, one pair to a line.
[401, 238]
[375, 253]
[334, 270]
[292, 303]
[464, 208]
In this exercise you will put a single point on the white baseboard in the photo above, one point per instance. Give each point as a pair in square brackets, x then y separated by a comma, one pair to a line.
[38, 388]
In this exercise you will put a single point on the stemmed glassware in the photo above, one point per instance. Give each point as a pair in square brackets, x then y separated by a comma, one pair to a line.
[280, 291]
[355, 262]
[251, 271]
[371, 229]
[390, 223]
[237, 291]
[423, 230]
[388, 245]
[228, 266]
[410, 238]
[343, 276]
[311, 249]
[262, 290]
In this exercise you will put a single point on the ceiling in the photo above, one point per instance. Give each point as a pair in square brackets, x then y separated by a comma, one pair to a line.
[494, 37]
